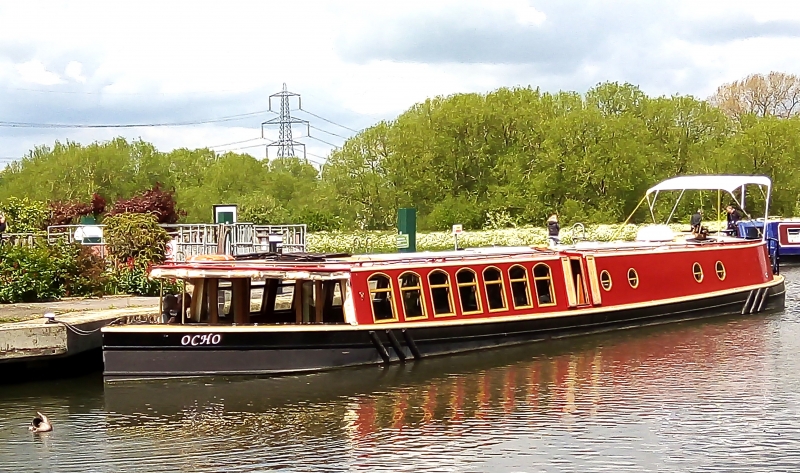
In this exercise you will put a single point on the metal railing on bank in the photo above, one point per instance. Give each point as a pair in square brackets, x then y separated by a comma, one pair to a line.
[21, 239]
[188, 240]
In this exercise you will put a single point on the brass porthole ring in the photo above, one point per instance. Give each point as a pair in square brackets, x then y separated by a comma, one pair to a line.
[697, 270]
[633, 278]
[605, 280]
[720, 270]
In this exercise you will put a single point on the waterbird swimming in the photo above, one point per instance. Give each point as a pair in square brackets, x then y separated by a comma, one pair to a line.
[40, 424]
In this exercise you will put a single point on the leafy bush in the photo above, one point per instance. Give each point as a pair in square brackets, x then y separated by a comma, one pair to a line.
[319, 221]
[132, 278]
[66, 213]
[262, 209]
[82, 270]
[24, 215]
[455, 210]
[28, 274]
[154, 201]
[135, 242]
[135, 236]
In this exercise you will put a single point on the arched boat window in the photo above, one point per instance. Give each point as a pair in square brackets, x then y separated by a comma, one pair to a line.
[633, 278]
[520, 292]
[495, 292]
[439, 282]
[605, 280]
[411, 295]
[720, 270]
[382, 297]
[543, 280]
[697, 270]
[467, 282]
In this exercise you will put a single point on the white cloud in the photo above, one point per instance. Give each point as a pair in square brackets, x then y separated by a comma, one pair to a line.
[154, 61]
[36, 73]
[73, 71]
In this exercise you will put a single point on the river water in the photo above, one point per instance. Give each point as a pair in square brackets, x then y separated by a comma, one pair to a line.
[715, 395]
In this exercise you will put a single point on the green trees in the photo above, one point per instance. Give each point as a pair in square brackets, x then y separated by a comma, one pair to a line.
[511, 155]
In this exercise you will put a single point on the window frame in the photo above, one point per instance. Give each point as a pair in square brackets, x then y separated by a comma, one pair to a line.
[390, 290]
[550, 285]
[449, 287]
[527, 280]
[474, 284]
[500, 282]
[419, 287]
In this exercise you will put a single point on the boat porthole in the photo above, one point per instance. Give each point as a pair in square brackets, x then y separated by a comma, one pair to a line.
[633, 278]
[605, 280]
[698, 272]
[720, 270]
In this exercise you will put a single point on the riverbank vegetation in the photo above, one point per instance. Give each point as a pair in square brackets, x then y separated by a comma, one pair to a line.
[499, 163]
[505, 158]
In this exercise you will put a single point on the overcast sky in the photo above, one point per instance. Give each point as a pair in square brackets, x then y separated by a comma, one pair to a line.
[353, 63]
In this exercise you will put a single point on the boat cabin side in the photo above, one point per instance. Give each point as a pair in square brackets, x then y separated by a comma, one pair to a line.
[455, 288]
[247, 294]
[368, 293]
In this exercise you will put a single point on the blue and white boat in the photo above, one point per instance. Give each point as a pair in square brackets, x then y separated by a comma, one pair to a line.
[782, 235]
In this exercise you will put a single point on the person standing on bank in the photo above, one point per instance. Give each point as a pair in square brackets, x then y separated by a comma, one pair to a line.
[733, 218]
[3, 226]
[553, 229]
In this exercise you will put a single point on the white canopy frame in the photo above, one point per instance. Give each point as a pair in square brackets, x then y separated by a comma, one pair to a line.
[707, 182]
[727, 183]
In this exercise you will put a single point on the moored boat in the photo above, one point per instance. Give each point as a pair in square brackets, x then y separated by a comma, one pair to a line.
[782, 235]
[277, 314]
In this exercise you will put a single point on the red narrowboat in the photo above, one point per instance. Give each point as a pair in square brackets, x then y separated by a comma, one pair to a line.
[287, 313]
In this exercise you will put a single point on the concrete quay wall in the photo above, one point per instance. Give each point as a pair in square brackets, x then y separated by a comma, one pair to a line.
[37, 340]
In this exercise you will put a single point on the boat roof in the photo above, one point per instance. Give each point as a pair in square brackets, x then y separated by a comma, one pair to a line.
[330, 266]
[727, 183]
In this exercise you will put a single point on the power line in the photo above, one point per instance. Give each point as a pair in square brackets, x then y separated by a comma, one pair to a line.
[329, 132]
[317, 156]
[243, 147]
[323, 141]
[81, 92]
[329, 121]
[234, 143]
[128, 125]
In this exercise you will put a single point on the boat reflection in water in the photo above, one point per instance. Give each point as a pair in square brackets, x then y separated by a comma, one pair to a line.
[438, 411]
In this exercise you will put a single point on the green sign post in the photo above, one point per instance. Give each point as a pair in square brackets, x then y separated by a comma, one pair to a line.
[407, 230]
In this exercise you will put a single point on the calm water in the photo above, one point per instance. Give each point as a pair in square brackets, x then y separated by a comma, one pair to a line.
[720, 395]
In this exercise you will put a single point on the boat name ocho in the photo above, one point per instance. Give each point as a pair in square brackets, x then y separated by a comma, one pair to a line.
[206, 339]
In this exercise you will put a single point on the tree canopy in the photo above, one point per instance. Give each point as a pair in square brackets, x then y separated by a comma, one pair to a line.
[512, 155]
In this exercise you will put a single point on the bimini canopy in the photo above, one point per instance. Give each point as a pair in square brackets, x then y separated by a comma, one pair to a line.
[725, 183]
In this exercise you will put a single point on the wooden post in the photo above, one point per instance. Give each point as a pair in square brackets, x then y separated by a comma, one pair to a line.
[213, 307]
[241, 300]
[297, 301]
[319, 300]
[268, 297]
[198, 297]
[330, 293]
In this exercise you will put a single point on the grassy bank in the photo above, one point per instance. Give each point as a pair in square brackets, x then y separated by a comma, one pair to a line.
[384, 242]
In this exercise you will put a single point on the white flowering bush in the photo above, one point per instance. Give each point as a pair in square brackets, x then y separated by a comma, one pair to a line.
[385, 241]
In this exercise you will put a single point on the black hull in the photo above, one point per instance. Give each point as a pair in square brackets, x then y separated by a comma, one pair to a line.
[144, 354]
